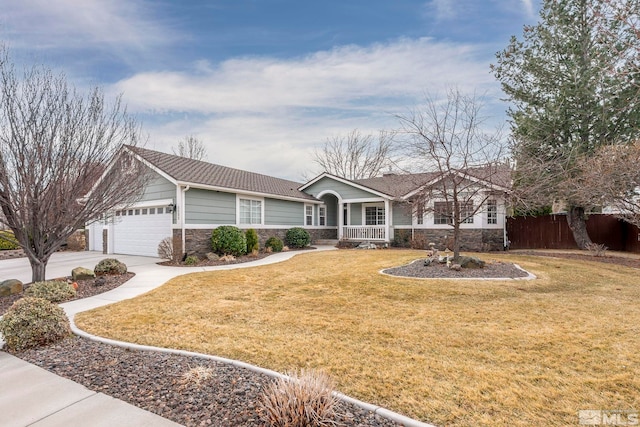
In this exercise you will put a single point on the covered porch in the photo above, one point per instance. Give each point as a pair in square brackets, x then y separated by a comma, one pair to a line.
[360, 220]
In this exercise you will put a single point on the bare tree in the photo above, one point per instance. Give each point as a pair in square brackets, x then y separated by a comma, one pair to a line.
[447, 139]
[191, 148]
[356, 156]
[55, 146]
[612, 176]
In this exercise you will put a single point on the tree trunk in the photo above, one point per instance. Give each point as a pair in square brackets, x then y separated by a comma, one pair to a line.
[456, 242]
[578, 226]
[38, 268]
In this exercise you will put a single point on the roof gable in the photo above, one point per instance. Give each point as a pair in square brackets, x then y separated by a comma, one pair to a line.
[199, 173]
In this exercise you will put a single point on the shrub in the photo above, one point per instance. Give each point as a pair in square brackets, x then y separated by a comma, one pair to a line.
[165, 248]
[228, 240]
[252, 240]
[52, 290]
[274, 244]
[301, 400]
[32, 322]
[297, 237]
[191, 260]
[401, 239]
[8, 241]
[110, 266]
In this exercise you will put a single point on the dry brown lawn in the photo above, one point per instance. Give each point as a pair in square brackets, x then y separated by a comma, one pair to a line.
[462, 353]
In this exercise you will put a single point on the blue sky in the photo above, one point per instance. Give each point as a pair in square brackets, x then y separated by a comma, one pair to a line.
[262, 83]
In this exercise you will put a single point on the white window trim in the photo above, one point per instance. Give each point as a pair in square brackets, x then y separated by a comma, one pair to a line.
[371, 205]
[313, 216]
[243, 197]
[321, 207]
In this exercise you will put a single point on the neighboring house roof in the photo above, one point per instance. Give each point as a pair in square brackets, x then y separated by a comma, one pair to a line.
[196, 172]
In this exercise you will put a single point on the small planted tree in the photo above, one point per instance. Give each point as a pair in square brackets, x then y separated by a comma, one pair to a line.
[253, 244]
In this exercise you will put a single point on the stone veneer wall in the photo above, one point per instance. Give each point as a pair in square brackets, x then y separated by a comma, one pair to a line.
[198, 241]
[472, 240]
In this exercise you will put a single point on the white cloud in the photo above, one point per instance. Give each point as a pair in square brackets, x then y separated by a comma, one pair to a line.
[444, 9]
[349, 77]
[528, 7]
[265, 114]
[64, 24]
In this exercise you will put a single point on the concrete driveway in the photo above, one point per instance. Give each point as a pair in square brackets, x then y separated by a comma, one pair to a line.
[61, 263]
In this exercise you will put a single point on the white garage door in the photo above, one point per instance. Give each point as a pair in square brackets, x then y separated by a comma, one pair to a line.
[95, 236]
[138, 231]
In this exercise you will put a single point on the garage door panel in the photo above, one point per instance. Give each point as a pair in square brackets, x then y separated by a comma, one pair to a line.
[140, 234]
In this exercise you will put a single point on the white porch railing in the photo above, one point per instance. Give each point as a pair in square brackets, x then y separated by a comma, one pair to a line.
[364, 232]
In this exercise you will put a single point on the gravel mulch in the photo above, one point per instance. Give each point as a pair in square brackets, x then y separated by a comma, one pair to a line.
[86, 288]
[494, 270]
[156, 382]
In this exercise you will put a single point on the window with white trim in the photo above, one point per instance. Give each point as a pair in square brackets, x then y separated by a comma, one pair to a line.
[420, 213]
[492, 211]
[322, 215]
[466, 212]
[374, 215]
[250, 211]
[443, 213]
[308, 215]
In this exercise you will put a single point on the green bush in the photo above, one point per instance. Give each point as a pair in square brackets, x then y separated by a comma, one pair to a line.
[8, 241]
[228, 240]
[274, 243]
[110, 266]
[32, 322]
[52, 290]
[191, 260]
[297, 237]
[252, 240]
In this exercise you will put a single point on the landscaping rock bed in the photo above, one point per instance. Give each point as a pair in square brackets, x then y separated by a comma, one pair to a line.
[155, 382]
[86, 288]
[417, 269]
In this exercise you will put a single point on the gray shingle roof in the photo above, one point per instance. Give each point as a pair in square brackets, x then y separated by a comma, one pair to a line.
[398, 185]
[209, 174]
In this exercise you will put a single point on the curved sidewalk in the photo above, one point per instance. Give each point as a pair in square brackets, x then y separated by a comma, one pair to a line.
[32, 396]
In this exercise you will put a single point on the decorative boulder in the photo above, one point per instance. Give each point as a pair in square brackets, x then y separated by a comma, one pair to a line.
[428, 261]
[471, 262]
[213, 257]
[366, 245]
[100, 281]
[10, 287]
[455, 267]
[81, 273]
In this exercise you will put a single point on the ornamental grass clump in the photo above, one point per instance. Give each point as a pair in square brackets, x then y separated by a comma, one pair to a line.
[301, 400]
[33, 322]
[52, 290]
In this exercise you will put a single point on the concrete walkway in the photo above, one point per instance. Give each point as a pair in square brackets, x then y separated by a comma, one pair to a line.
[32, 396]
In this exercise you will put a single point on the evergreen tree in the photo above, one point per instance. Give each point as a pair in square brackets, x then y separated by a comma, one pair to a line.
[573, 85]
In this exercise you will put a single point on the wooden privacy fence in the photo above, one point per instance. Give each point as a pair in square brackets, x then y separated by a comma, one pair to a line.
[552, 232]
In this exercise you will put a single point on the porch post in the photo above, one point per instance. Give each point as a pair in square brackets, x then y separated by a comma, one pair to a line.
[387, 217]
[340, 219]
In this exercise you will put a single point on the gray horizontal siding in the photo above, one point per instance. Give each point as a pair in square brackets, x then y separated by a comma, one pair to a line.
[210, 207]
[158, 188]
[401, 214]
[283, 212]
[345, 191]
[356, 214]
